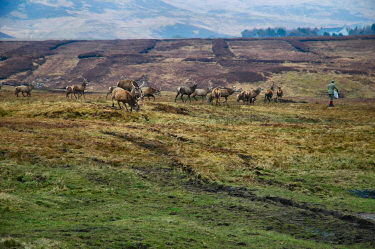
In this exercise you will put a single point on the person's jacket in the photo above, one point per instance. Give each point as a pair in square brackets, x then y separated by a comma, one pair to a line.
[331, 88]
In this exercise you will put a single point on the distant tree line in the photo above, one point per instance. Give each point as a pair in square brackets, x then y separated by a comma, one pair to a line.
[303, 32]
[367, 30]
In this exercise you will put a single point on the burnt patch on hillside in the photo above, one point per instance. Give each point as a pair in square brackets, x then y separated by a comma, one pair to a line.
[208, 60]
[62, 44]
[172, 45]
[221, 49]
[149, 45]
[244, 76]
[90, 55]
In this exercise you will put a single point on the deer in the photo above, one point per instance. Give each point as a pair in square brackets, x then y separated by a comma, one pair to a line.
[80, 89]
[222, 92]
[129, 85]
[68, 91]
[185, 90]
[268, 95]
[24, 89]
[201, 92]
[150, 91]
[126, 97]
[244, 96]
[254, 94]
[110, 90]
[279, 94]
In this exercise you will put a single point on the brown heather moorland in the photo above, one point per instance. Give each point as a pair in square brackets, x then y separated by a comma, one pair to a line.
[293, 174]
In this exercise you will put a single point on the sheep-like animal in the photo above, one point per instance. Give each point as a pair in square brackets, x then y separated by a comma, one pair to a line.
[185, 90]
[126, 97]
[225, 92]
[24, 89]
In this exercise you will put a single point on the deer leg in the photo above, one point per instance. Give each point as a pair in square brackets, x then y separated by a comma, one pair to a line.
[189, 98]
[153, 96]
[23, 94]
[182, 97]
[118, 102]
[178, 93]
[126, 107]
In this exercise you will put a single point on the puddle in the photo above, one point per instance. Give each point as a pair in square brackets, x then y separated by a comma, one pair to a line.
[324, 234]
[366, 193]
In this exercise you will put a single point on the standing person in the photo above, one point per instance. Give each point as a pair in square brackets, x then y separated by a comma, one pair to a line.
[331, 90]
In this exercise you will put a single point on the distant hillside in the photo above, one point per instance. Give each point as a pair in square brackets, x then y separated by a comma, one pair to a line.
[245, 62]
[5, 36]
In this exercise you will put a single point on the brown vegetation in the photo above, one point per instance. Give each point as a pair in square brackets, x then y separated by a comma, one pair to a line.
[170, 62]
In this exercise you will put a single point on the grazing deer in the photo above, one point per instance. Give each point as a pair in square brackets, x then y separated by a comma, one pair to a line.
[128, 85]
[24, 89]
[222, 92]
[150, 91]
[80, 89]
[126, 97]
[185, 90]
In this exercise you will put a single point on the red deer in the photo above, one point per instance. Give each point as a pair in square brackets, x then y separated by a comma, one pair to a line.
[68, 91]
[80, 90]
[224, 92]
[279, 94]
[128, 85]
[201, 92]
[125, 97]
[24, 89]
[268, 95]
[254, 94]
[185, 90]
[150, 91]
[244, 96]
[110, 89]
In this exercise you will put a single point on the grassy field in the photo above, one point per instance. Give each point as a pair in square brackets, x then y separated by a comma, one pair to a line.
[80, 174]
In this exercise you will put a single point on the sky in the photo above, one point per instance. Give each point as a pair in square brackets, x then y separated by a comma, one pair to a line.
[121, 19]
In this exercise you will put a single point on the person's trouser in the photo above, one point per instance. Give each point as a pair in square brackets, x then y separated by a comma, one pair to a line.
[330, 99]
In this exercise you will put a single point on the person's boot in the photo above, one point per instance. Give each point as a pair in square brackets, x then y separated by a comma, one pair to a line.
[331, 104]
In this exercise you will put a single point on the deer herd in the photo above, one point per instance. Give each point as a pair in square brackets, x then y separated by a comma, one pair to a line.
[129, 92]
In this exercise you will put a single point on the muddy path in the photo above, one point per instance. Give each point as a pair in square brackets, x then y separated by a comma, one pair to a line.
[283, 215]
